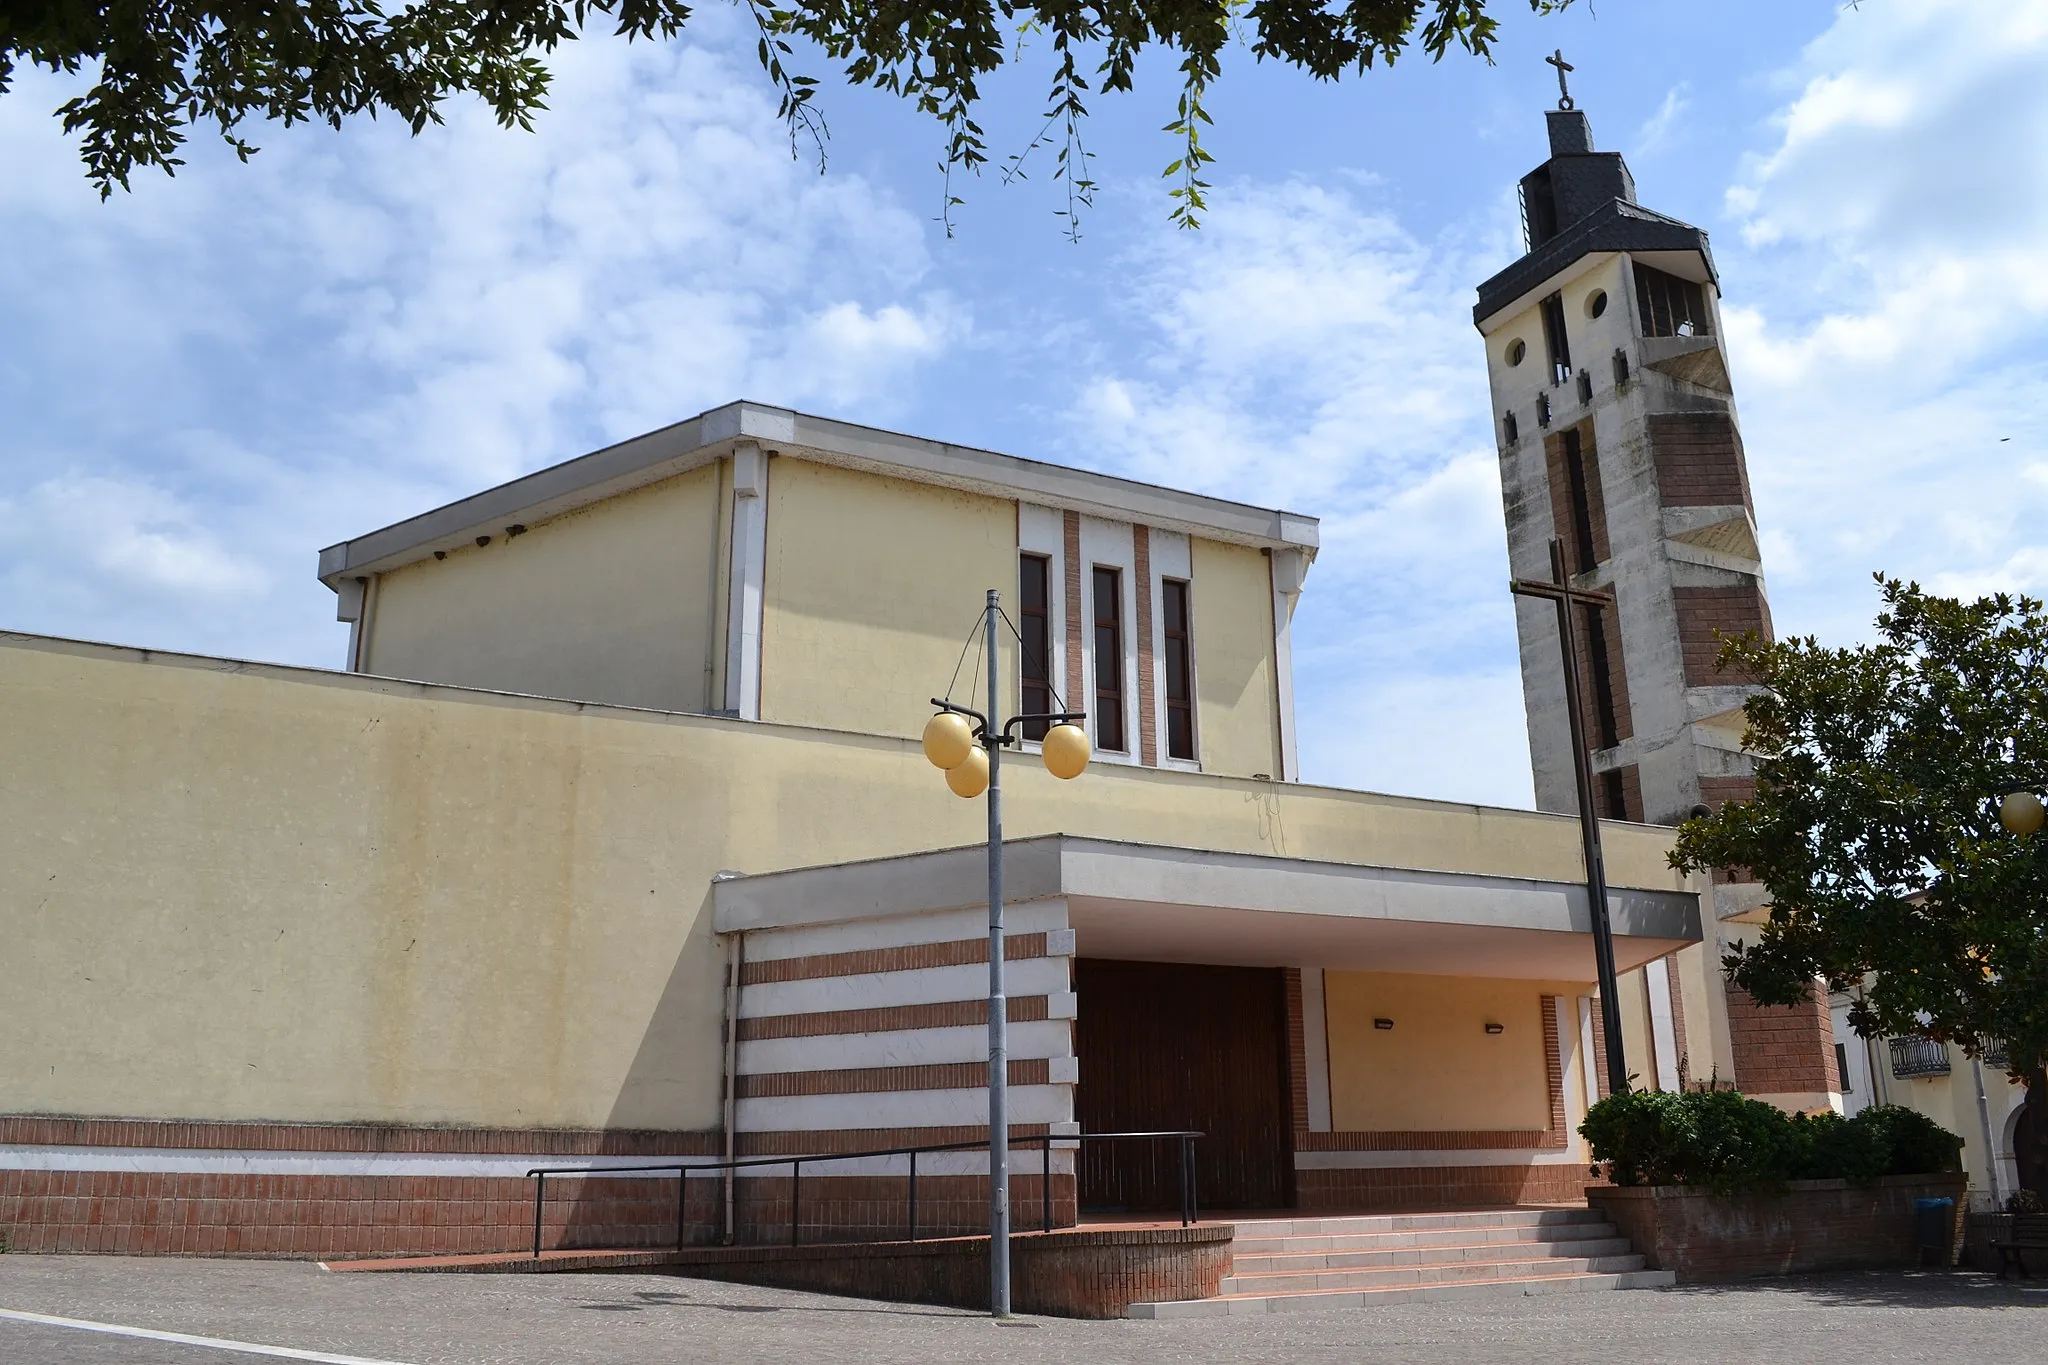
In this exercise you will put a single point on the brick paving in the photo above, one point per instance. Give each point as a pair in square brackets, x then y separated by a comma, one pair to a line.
[630, 1318]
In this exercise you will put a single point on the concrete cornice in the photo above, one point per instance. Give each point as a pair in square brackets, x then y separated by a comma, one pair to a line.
[686, 445]
[1111, 871]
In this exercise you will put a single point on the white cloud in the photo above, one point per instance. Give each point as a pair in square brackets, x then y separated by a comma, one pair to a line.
[1304, 349]
[1658, 130]
[1889, 308]
[1909, 180]
[357, 326]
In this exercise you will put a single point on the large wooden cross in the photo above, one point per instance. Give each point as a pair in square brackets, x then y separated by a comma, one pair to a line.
[1564, 92]
[1569, 600]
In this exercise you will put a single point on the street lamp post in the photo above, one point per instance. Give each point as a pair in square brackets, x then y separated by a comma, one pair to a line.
[1568, 600]
[973, 762]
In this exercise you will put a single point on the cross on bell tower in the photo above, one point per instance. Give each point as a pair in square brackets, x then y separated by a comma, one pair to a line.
[1564, 92]
[1616, 428]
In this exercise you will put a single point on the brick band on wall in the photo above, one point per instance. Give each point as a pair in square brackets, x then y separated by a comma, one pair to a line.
[1699, 459]
[33, 1130]
[1782, 1050]
[875, 1080]
[1707, 617]
[868, 961]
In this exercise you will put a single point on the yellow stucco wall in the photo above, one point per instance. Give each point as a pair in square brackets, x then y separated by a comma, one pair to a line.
[245, 891]
[1636, 1043]
[608, 604]
[1437, 1069]
[872, 586]
[1235, 702]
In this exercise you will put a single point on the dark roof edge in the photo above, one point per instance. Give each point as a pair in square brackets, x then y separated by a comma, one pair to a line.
[1616, 226]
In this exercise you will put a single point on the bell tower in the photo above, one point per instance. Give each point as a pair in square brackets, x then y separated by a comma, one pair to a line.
[1617, 432]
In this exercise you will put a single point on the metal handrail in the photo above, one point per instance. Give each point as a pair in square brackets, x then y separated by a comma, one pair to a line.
[1186, 1138]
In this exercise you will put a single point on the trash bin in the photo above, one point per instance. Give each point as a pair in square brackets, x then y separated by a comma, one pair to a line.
[1934, 1229]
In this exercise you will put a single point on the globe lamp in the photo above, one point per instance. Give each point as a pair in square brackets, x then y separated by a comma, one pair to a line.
[948, 740]
[969, 777]
[2022, 813]
[1065, 750]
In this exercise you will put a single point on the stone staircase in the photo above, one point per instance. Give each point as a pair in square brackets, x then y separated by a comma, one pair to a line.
[1285, 1264]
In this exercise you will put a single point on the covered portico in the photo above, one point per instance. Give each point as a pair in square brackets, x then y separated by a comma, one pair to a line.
[1345, 1035]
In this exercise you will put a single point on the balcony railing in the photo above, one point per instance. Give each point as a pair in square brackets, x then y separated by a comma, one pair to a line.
[1918, 1057]
[1994, 1052]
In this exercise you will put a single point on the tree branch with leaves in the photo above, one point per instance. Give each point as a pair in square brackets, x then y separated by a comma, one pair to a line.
[1875, 826]
[161, 67]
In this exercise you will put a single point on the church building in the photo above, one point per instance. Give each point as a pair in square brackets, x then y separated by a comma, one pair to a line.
[614, 842]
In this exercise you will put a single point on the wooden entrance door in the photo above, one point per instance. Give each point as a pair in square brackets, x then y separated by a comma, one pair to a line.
[1166, 1046]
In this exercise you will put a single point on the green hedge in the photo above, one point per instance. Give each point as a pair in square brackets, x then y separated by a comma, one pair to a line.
[1720, 1141]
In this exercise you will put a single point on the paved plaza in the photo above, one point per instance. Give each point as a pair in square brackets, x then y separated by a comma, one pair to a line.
[624, 1319]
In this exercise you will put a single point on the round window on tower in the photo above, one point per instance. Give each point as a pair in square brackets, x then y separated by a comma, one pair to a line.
[1596, 303]
[1518, 351]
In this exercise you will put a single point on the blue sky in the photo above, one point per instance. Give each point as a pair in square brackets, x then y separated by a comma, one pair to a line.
[208, 379]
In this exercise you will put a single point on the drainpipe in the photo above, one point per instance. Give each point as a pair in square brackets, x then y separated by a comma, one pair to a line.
[735, 958]
[1990, 1143]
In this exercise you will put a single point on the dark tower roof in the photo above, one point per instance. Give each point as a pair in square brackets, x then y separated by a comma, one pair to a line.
[1575, 204]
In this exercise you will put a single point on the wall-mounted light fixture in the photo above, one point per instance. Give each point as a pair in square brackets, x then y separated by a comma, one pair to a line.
[1382, 1023]
[1495, 1028]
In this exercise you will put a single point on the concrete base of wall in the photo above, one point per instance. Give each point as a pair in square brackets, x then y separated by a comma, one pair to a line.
[1815, 1225]
[1070, 1272]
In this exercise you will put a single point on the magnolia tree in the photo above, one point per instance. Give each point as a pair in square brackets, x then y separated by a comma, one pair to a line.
[1876, 827]
[162, 67]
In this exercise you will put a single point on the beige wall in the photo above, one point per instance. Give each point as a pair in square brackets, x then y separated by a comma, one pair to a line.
[609, 604]
[873, 584]
[268, 893]
[1437, 1069]
[1236, 709]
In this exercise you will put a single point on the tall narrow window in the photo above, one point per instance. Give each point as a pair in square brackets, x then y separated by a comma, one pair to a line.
[1555, 340]
[1606, 717]
[1575, 475]
[1034, 577]
[1180, 673]
[1109, 660]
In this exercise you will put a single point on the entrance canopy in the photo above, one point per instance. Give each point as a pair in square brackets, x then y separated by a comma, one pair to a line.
[1150, 902]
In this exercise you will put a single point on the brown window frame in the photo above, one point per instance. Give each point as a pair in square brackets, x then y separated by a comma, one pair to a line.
[1178, 666]
[1108, 710]
[1034, 623]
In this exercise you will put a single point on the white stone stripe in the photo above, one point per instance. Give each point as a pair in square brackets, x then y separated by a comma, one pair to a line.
[184, 1339]
[918, 986]
[901, 1109]
[175, 1161]
[1029, 1040]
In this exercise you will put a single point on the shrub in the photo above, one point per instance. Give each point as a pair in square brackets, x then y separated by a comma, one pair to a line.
[1719, 1141]
[1914, 1144]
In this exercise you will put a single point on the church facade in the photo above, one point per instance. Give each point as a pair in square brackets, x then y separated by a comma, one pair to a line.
[614, 843]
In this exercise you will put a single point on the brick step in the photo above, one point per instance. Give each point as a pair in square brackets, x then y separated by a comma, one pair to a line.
[1233, 1305]
[1453, 1272]
[1359, 1224]
[1441, 1237]
[1351, 1259]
